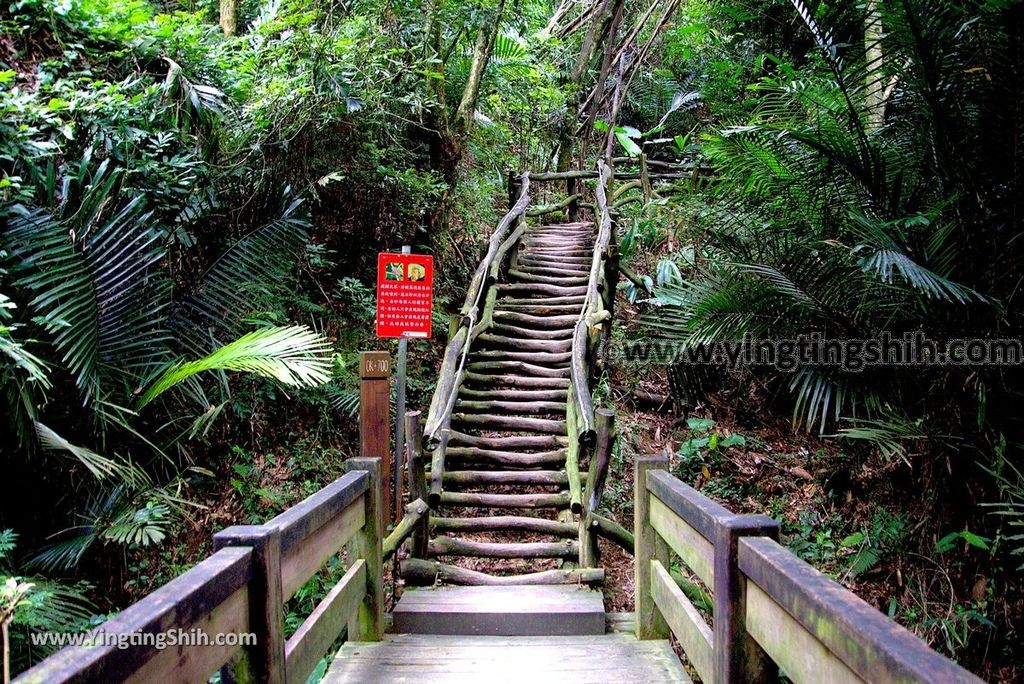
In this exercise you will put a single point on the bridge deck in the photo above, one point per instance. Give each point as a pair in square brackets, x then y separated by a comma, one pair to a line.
[426, 659]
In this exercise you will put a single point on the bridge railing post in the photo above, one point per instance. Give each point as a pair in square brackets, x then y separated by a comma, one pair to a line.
[649, 546]
[265, 660]
[368, 622]
[737, 657]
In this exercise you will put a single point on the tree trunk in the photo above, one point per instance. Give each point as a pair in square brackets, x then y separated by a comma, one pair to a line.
[487, 35]
[874, 87]
[229, 16]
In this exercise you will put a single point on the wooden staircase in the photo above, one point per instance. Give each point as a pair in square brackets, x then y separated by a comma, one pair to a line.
[505, 514]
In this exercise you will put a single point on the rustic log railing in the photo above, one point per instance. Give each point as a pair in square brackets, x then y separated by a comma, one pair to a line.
[476, 317]
[771, 610]
[241, 590]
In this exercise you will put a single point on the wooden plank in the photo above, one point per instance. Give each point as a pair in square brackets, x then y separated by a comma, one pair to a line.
[307, 557]
[869, 643]
[686, 622]
[179, 604]
[699, 512]
[187, 665]
[500, 611]
[597, 659]
[801, 656]
[691, 547]
[323, 626]
[303, 519]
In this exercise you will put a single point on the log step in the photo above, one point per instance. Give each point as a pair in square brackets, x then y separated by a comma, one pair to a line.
[450, 546]
[509, 443]
[482, 500]
[500, 423]
[524, 277]
[555, 262]
[506, 523]
[514, 395]
[527, 369]
[542, 288]
[472, 478]
[418, 572]
[539, 321]
[505, 459]
[542, 309]
[525, 345]
[500, 611]
[545, 357]
[560, 272]
[544, 301]
[511, 407]
[516, 331]
[516, 381]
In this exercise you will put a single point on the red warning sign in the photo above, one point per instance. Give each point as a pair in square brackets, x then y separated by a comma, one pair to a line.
[405, 294]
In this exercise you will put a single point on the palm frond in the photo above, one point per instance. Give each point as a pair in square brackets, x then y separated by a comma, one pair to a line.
[94, 283]
[292, 355]
[248, 272]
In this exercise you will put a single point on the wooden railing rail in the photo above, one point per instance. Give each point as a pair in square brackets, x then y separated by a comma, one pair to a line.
[239, 591]
[771, 610]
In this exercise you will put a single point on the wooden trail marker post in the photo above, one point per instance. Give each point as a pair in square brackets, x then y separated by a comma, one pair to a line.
[405, 292]
[374, 414]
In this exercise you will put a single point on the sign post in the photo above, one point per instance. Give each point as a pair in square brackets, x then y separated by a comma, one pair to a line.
[405, 288]
[374, 405]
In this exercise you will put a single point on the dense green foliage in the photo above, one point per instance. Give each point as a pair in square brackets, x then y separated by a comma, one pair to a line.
[189, 222]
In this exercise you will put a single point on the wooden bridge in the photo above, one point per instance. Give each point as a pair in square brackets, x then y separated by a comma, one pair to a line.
[501, 562]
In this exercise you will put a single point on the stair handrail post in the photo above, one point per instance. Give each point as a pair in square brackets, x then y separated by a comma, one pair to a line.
[648, 547]
[367, 624]
[266, 660]
[738, 659]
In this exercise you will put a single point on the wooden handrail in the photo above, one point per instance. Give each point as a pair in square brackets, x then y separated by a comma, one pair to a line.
[240, 590]
[771, 610]
[590, 314]
[476, 317]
